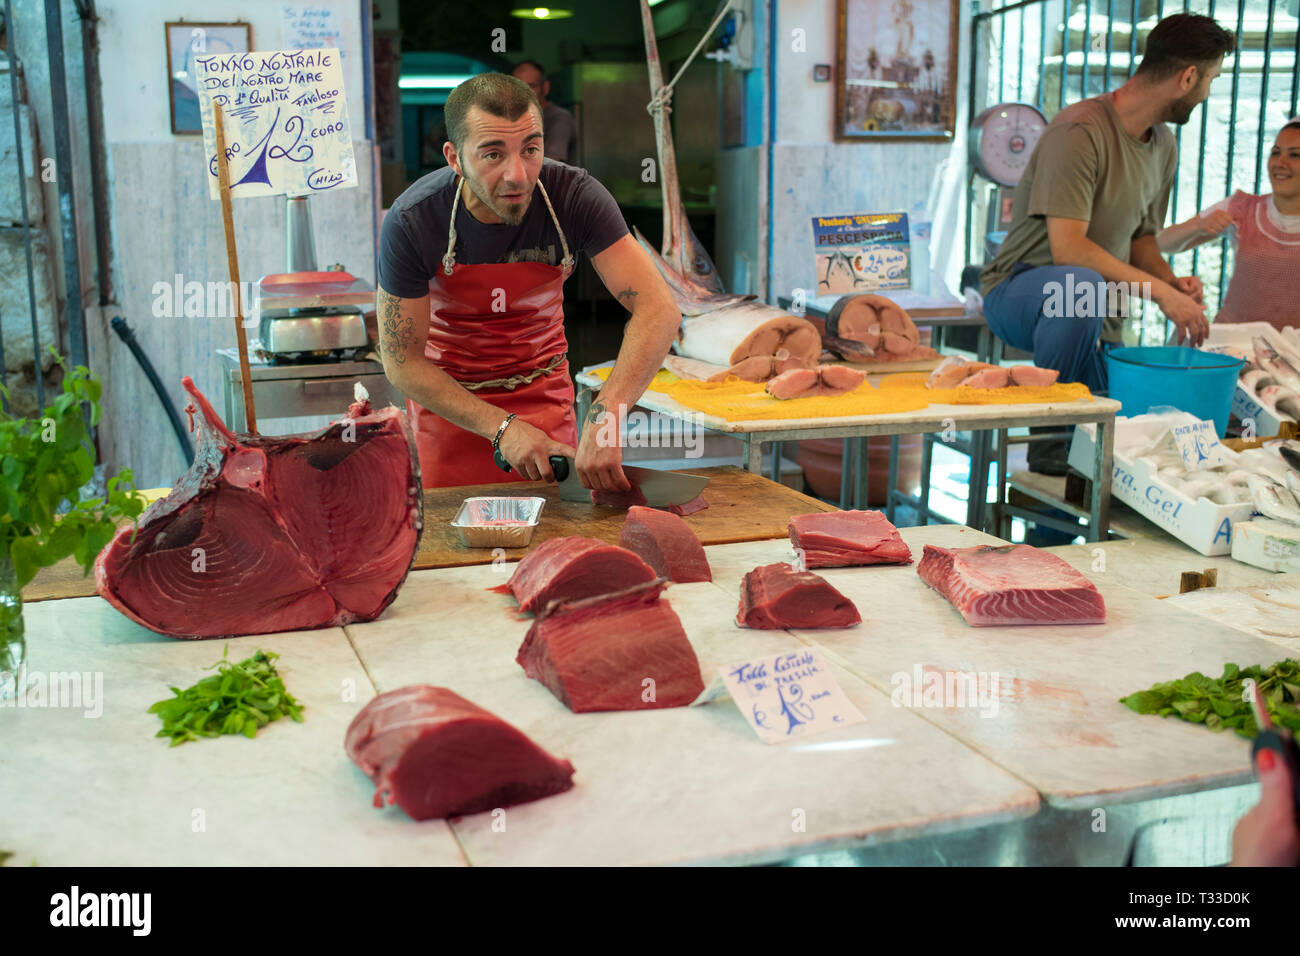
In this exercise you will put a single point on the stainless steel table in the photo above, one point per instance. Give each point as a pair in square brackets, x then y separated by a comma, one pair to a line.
[294, 391]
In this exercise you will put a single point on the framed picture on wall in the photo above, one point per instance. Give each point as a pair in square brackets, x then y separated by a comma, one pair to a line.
[897, 76]
[185, 41]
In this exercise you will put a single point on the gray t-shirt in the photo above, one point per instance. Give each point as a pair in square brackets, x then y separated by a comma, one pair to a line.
[1087, 166]
[414, 235]
[560, 134]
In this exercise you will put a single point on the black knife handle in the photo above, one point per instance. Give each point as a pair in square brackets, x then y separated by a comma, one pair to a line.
[559, 465]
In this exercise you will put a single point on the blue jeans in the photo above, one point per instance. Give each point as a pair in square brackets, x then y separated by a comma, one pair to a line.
[1017, 313]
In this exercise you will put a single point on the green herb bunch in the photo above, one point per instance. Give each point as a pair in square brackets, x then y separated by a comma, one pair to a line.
[1223, 703]
[238, 699]
[43, 463]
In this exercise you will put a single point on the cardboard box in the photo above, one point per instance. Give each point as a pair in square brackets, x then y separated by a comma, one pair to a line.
[1268, 544]
[1238, 335]
[1202, 525]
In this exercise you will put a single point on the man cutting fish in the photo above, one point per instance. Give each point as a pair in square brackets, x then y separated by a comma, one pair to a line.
[471, 301]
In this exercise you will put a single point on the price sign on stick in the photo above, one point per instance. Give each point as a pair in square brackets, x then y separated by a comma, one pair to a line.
[286, 122]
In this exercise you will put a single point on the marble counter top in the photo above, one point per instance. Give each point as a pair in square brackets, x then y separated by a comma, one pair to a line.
[86, 790]
[681, 785]
[1154, 565]
[1058, 724]
[674, 786]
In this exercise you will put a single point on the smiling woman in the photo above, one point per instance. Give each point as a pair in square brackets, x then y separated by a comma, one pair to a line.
[1265, 231]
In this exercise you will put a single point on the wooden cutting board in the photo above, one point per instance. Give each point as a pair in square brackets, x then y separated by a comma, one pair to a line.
[742, 507]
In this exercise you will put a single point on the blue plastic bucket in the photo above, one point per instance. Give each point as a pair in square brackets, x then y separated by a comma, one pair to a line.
[1188, 379]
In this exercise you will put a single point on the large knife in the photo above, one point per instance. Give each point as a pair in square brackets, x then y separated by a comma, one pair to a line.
[659, 488]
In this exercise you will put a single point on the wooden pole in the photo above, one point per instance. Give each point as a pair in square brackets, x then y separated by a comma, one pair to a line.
[232, 262]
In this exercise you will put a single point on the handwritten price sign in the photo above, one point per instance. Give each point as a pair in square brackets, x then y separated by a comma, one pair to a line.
[785, 696]
[286, 122]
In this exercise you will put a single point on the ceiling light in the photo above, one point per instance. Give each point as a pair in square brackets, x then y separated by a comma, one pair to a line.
[541, 13]
[427, 81]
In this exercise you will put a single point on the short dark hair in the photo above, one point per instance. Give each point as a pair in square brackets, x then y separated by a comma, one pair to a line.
[495, 93]
[1183, 40]
[534, 64]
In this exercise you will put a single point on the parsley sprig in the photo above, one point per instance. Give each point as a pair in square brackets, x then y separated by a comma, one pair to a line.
[1221, 704]
[46, 461]
[239, 699]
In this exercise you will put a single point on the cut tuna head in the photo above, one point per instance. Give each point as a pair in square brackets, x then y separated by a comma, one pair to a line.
[436, 755]
[270, 534]
[620, 651]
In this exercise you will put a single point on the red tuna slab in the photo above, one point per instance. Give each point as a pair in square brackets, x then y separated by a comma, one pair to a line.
[565, 569]
[840, 539]
[666, 543]
[596, 653]
[270, 534]
[435, 754]
[1011, 585]
[777, 596]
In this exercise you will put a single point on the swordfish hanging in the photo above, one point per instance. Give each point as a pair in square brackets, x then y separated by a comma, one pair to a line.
[680, 247]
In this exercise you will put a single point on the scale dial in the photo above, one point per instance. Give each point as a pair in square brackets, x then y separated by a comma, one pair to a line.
[1002, 139]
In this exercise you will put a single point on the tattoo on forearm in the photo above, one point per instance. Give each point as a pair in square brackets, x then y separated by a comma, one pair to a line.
[626, 297]
[397, 331]
[596, 414]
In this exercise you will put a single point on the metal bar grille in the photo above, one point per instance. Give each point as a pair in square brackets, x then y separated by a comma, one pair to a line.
[1258, 71]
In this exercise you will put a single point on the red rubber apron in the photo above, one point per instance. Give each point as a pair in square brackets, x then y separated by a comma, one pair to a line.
[498, 329]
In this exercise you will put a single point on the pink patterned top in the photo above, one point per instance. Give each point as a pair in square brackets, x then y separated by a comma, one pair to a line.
[1268, 261]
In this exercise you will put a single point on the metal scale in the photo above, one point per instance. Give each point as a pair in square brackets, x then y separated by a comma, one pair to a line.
[306, 315]
[1001, 140]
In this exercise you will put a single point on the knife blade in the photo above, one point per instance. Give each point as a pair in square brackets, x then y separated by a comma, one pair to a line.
[659, 488]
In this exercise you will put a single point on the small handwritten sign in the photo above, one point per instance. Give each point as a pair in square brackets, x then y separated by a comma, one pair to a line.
[1198, 444]
[286, 122]
[861, 252]
[785, 696]
[306, 26]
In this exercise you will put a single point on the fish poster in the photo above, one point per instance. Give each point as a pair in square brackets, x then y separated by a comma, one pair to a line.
[285, 118]
[862, 252]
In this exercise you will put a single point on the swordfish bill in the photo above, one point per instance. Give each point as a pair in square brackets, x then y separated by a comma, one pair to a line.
[680, 246]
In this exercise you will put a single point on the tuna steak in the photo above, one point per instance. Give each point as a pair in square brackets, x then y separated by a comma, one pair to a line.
[666, 543]
[988, 378]
[777, 596]
[838, 539]
[1011, 585]
[1033, 376]
[435, 754]
[270, 534]
[566, 569]
[825, 380]
[597, 653]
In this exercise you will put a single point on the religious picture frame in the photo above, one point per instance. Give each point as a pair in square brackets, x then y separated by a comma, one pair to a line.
[897, 76]
[185, 41]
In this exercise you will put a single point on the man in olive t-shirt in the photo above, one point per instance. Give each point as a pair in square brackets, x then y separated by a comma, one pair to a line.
[1086, 212]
